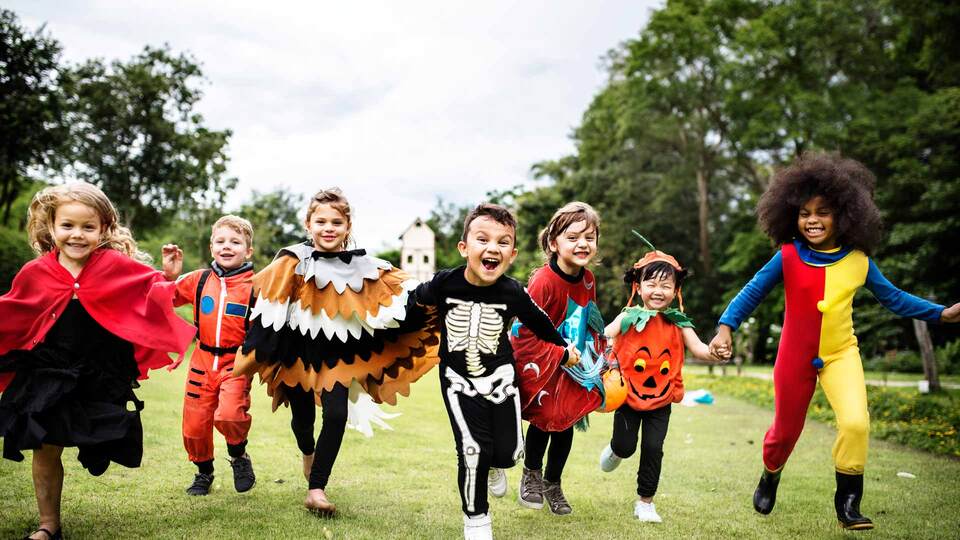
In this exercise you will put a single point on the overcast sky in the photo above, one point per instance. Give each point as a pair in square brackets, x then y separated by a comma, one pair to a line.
[395, 102]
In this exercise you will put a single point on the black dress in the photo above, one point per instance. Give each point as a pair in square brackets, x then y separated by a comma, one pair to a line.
[74, 389]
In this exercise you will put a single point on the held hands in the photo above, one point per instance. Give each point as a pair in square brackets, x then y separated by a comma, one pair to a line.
[176, 363]
[721, 346]
[172, 261]
[951, 314]
[573, 356]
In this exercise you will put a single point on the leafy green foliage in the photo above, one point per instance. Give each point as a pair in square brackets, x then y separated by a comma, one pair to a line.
[134, 133]
[31, 107]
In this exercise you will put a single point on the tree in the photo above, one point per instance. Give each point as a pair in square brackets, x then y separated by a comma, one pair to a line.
[134, 133]
[277, 222]
[31, 128]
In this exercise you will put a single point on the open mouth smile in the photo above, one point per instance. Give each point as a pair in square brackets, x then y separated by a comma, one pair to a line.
[489, 263]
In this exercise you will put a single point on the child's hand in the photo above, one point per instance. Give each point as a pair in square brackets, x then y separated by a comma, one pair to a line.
[951, 314]
[721, 346]
[172, 261]
[176, 363]
[573, 356]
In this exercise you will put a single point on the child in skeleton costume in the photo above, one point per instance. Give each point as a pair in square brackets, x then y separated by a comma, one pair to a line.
[476, 303]
[649, 343]
[554, 398]
[326, 324]
[821, 212]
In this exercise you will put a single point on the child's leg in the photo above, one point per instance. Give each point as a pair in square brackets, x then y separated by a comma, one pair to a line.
[472, 423]
[507, 430]
[334, 403]
[626, 427]
[654, 428]
[560, 444]
[535, 447]
[843, 384]
[303, 414]
[199, 403]
[48, 485]
[231, 417]
[794, 380]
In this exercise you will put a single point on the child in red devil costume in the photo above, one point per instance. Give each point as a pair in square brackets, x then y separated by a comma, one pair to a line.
[649, 345]
[553, 396]
[81, 323]
[214, 397]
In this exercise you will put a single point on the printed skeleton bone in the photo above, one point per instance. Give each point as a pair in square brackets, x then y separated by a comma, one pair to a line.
[474, 327]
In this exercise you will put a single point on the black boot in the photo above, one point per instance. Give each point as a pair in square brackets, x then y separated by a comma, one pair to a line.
[766, 494]
[847, 502]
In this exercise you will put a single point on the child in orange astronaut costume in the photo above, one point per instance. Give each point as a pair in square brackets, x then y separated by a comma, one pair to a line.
[214, 397]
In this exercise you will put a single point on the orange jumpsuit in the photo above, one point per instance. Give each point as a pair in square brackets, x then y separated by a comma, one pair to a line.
[214, 397]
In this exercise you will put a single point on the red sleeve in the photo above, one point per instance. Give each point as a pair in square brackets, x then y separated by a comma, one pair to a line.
[527, 346]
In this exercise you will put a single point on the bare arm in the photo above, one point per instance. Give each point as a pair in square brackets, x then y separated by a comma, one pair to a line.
[698, 349]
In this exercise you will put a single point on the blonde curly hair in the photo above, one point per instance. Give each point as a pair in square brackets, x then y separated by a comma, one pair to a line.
[43, 209]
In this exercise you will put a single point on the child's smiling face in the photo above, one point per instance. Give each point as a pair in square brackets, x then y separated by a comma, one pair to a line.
[489, 250]
[575, 246]
[328, 228]
[658, 291]
[815, 221]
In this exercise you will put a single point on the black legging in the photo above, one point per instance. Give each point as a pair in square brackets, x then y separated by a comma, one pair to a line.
[651, 426]
[304, 414]
[536, 447]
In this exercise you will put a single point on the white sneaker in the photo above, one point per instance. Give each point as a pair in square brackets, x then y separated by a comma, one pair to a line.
[608, 460]
[477, 528]
[497, 482]
[646, 512]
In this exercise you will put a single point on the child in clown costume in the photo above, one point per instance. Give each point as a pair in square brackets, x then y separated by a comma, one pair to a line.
[329, 322]
[555, 397]
[213, 397]
[649, 342]
[821, 212]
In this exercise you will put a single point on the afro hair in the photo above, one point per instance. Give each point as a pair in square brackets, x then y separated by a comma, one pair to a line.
[847, 186]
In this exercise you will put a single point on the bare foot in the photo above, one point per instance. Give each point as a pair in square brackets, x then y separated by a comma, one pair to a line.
[317, 502]
[307, 465]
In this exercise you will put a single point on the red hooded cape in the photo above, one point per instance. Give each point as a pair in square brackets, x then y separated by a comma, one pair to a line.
[129, 299]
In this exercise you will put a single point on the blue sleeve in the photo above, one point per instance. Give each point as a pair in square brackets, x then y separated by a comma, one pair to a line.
[902, 303]
[753, 293]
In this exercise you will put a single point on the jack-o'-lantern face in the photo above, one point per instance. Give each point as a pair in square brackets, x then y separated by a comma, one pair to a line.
[649, 361]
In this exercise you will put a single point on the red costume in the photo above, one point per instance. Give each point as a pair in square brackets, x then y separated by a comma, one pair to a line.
[213, 396]
[550, 398]
[129, 299]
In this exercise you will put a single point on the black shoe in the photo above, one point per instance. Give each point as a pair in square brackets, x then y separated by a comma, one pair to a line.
[766, 494]
[847, 502]
[243, 477]
[201, 484]
[48, 535]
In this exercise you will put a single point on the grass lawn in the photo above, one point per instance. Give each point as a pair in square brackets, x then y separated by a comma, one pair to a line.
[869, 375]
[402, 484]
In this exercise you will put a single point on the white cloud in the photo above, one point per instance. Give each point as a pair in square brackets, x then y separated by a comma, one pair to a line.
[394, 102]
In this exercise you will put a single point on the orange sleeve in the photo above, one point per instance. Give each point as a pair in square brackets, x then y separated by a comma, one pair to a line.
[186, 290]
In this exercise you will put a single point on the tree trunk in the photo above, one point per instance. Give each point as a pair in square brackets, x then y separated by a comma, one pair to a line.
[704, 214]
[926, 352]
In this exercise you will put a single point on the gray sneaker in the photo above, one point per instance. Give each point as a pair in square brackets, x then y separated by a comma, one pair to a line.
[531, 489]
[554, 498]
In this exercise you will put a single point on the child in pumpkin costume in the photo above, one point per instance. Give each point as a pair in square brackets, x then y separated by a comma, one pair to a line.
[821, 211]
[213, 397]
[329, 322]
[649, 344]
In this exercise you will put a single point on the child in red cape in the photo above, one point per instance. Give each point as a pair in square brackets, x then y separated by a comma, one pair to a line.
[81, 323]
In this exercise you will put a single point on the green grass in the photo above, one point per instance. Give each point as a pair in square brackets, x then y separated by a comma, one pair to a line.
[402, 484]
[870, 375]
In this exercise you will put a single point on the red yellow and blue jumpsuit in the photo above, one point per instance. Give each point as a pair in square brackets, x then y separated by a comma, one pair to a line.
[818, 342]
[214, 397]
